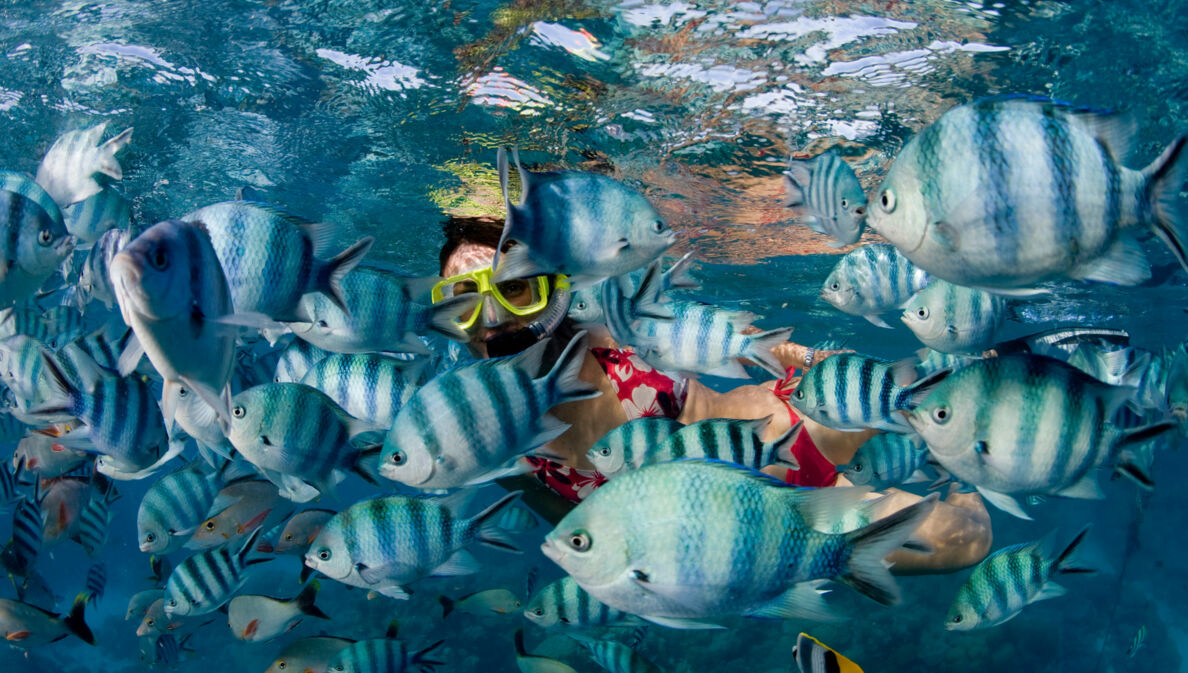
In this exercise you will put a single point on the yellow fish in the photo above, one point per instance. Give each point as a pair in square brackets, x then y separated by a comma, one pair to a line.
[813, 656]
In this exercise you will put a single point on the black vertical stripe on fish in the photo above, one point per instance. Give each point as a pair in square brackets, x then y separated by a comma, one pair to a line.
[1060, 153]
[988, 128]
[1113, 195]
[866, 387]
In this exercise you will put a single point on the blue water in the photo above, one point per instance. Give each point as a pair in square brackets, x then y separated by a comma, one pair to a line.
[380, 117]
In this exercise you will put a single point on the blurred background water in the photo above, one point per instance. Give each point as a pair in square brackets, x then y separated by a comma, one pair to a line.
[381, 117]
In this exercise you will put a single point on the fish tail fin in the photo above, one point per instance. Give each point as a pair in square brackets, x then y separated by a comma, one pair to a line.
[678, 275]
[427, 664]
[486, 523]
[447, 605]
[1065, 563]
[75, 623]
[305, 601]
[922, 388]
[520, 651]
[107, 164]
[1164, 177]
[564, 373]
[444, 315]
[1136, 453]
[866, 571]
[782, 446]
[759, 349]
[335, 269]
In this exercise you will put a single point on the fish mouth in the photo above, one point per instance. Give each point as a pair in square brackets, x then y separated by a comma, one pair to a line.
[913, 421]
[555, 554]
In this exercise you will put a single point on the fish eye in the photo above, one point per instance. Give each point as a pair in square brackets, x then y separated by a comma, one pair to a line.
[324, 554]
[209, 525]
[657, 226]
[182, 392]
[159, 260]
[922, 312]
[44, 237]
[281, 665]
[857, 467]
[844, 203]
[288, 537]
[322, 324]
[149, 621]
[604, 451]
[581, 306]
[398, 458]
[888, 200]
[579, 540]
[799, 394]
[172, 603]
[835, 286]
[940, 415]
[150, 537]
[956, 619]
[860, 211]
[538, 612]
[237, 412]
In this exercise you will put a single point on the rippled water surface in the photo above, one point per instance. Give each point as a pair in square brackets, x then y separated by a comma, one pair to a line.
[383, 117]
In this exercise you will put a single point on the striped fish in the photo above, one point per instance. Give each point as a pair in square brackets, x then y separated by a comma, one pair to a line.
[1130, 366]
[691, 541]
[1009, 580]
[95, 280]
[168, 649]
[384, 313]
[34, 240]
[90, 218]
[95, 519]
[471, 424]
[585, 305]
[21, 552]
[120, 413]
[68, 169]
[847, 391]
[296, 360]
[830, 194]
[1007, 192]
[887, 460]
[383, 655]
[205, 581]
[926, 363]
[175, 505]
[565, 604]
[21, 365]
[96, 582]
[368, 386]
[626, 446]
[384, 544]
[102, 347]
[955, 319]
[172, 293]
[584, 225]
[704, 339]
[308, 654]
[296, 436]
[52, 328]
[271, 258]
[613, 656]
[871, 280]
[813, 656]
[1023, 425]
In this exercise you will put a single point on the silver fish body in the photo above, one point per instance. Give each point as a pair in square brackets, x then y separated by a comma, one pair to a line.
[886, 460]
[35, 239]
[955, 319]
[205, 581]
[103, 211]
[873, 279]
[565, 604]
[848, 391]
[368, 386]
[68, 169]
[629, 445]
[828, 190]
[704, 339]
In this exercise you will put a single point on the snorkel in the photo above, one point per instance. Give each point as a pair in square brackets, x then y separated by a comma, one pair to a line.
[545, 324]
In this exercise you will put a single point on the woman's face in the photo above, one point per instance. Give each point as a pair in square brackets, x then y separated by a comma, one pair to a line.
[493, 321]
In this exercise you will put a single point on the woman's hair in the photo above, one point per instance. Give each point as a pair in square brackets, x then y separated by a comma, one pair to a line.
[477, 230]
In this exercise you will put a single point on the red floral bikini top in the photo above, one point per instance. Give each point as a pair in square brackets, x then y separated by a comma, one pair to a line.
[646, 391]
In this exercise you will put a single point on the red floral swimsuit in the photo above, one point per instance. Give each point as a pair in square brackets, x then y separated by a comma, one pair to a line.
[644, 391]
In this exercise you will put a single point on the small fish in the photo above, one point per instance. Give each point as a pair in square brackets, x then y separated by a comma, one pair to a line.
[259, 618]
[955, 319]
[172, 293]
[1137, 641]
[271, 257]
[384, 313]
[530, 663]
[584, 225]
[829, 192]
[848, 391]
[96, 582]
[704, 339]
[585, 305]
[368, 386]
[383, 655]
[351, 549]
[21, 363]
[491, 601]
[140, 602]
[27, 626]
[618, 545]
[727, 439]
[157, 621]
[301, 530]
[308, 654]
[296, 436]
[565, 604]
[95, 280]
[886, 460]
[517, 520]
[1130, 366]
[35, 240]
[981, 424]
[871, 280]
[613, 656]
[1009, 580]
[21, 552]
[1006, 192]
[241, 507]
[813, 656]
[67, 171]
[168, 649]
[95, 215]
[175, 505]
[296, 360]
[208, 579]
[486, 415]
[95, 519]
[199, 421]
[62, 504]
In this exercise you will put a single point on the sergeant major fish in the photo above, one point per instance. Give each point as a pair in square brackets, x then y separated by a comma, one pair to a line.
[35, 240]
[565, 604]
[826, 187]
[205, 581]
[68, 169]
[308, 654]
[368, 386]
[955, 319]
[613, 656]
[848, 391]
[887, 460]
[871, 280]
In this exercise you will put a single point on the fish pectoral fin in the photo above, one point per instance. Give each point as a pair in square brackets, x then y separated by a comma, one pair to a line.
[1049, 590]
[381, 574]
[877, 321]
[802, 601]
[1123, 263]
[515, 263]
[461, 563]
[1004, 502]
[1086, 488]
[130, 356]
[680, 623]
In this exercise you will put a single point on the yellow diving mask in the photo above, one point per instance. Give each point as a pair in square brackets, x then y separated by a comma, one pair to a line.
[519, 296]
